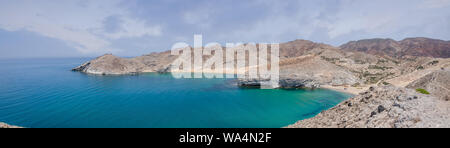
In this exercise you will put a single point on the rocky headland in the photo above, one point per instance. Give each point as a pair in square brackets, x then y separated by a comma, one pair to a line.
[395, 83]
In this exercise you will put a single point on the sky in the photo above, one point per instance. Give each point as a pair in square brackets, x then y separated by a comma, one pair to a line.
[89, 28]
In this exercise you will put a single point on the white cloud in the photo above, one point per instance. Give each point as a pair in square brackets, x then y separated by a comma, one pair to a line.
[348, 19]
[134, 28]
[436, 3]
[200, 17]
[76, 22]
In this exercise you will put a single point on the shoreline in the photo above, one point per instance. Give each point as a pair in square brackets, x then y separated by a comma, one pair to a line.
[4, 125]
[346, 89]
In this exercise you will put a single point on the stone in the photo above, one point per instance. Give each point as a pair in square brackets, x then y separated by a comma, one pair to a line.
[381, 108]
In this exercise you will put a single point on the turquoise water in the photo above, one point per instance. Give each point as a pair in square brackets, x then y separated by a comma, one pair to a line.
[45, 93]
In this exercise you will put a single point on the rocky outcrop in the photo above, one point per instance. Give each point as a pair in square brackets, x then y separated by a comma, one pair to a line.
[422, 47]
[286, 83]
[436, 83]
[4, 125]
[383, 107]
[111, 65]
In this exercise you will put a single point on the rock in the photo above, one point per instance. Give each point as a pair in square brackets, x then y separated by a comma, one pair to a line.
[82, 67]
[286, 83]
[427, 111]
[381, 109]
[249, 83]
[4, 125]
[373, 114]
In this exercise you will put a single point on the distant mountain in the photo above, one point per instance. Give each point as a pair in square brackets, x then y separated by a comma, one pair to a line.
[300, 47]
[424, 47]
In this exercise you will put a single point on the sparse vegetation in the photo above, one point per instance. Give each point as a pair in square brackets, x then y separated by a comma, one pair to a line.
[379, 67]
[422, 91]
[356, 85]
[420, 68]
[373, 80]
[332, 60]
[433, 62]
[386, 83]
[382, 61]
[360, 62]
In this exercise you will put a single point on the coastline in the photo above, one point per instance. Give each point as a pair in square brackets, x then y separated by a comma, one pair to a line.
[346, 89]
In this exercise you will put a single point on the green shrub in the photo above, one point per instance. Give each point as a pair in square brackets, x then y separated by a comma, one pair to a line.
[379, 67]
[386, 83]
[433, 63]
[420, 68]
[422, 91]
[356, 85]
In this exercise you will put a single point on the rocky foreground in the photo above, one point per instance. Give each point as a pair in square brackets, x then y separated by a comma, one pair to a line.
[392, 107]
[394, 70]
[384, 107]
[4, 125]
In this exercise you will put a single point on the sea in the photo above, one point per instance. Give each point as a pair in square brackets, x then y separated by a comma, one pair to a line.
[45, 93]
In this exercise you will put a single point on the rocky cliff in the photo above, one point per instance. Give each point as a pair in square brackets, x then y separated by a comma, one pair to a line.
[383, 107]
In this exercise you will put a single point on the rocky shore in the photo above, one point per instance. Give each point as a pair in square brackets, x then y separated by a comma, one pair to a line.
[384, 107]
[4, 125]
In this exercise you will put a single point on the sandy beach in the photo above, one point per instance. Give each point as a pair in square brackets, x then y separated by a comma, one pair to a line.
[346, 89]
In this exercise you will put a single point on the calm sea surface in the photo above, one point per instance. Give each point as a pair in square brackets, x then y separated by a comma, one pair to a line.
[45, 93]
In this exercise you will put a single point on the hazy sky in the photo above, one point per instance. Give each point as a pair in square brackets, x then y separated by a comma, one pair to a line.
[75, 28]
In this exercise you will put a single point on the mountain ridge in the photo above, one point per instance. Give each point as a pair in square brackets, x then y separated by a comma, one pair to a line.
[417, 46]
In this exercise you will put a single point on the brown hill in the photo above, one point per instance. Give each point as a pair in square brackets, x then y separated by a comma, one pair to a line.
[299, 47]
[424, 47]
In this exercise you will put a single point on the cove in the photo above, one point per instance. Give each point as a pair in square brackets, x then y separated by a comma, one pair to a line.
[45, 93]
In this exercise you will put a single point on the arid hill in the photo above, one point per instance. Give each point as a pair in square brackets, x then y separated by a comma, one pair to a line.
[423, 47]
[383, 107]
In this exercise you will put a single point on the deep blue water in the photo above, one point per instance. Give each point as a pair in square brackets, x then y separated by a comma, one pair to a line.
[45, 93]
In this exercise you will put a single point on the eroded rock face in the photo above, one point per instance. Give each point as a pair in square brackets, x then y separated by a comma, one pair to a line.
[287, 83]
[383, 107]
[437, 83]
